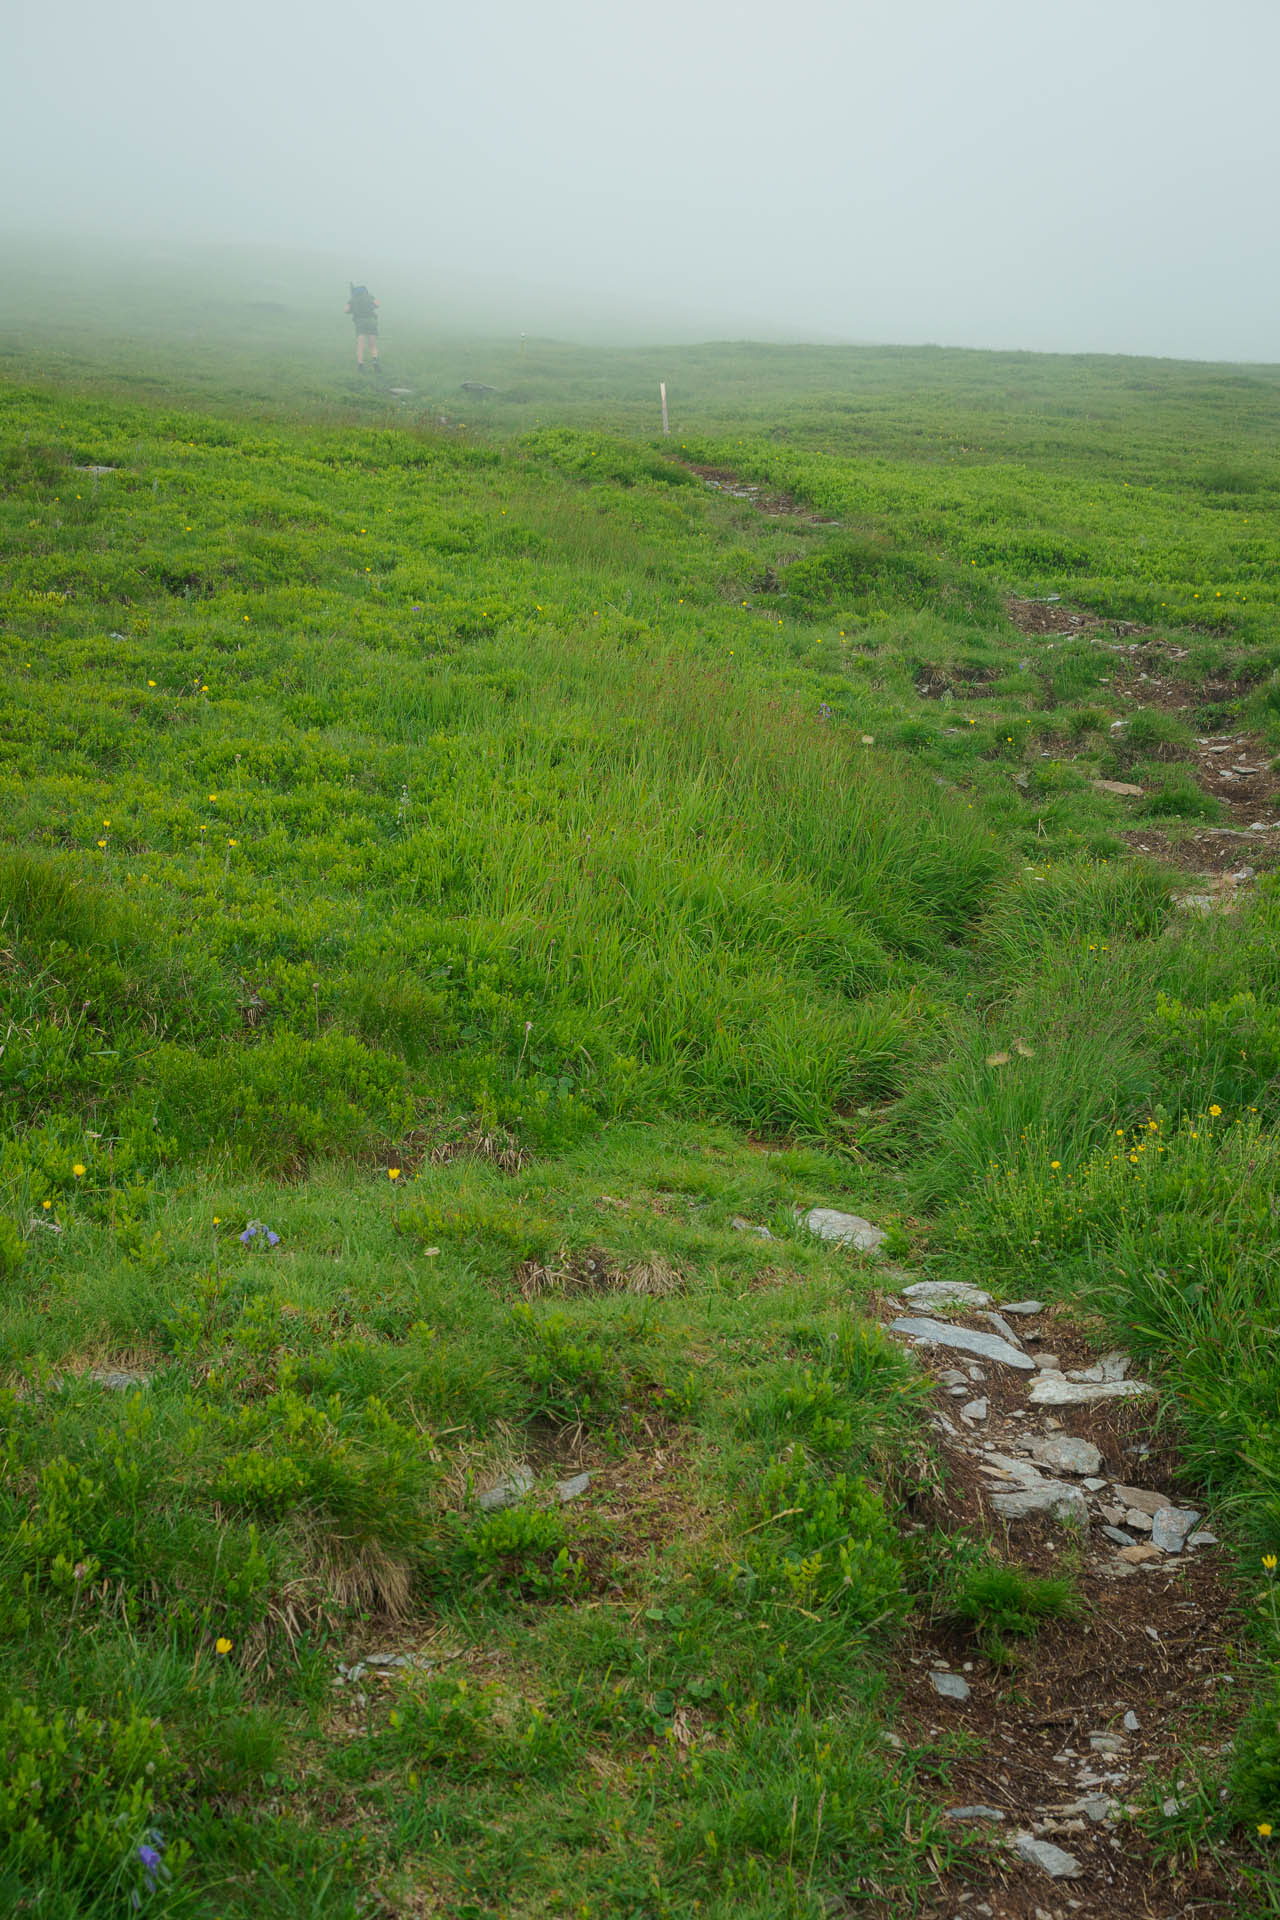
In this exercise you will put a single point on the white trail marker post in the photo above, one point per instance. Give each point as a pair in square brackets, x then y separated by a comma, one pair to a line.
[662, 389]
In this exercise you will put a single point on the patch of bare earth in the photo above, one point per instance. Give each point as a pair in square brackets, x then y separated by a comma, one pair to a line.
[766, 501]
[1068, 1739]
[1055, 616]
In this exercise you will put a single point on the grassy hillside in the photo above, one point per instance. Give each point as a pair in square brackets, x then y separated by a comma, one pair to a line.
[450, 874]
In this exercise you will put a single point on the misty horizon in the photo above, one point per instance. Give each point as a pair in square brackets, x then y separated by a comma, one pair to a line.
[984, 177]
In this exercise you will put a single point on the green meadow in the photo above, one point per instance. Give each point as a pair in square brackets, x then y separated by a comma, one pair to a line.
[454, 863]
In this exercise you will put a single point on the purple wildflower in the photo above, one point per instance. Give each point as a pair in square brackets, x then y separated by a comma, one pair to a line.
[256, 1227]
[154, 1869]
[824, 711]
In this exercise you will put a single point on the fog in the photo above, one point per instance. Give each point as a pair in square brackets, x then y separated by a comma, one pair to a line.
[1078, 175]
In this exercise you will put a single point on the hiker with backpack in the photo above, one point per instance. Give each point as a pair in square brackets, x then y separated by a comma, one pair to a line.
[363, 309]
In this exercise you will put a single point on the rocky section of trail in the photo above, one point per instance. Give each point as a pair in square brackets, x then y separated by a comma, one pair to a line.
[766, 500]
[1054, 1454]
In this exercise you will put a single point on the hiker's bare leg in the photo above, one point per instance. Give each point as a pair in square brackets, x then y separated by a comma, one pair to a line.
[359, 349]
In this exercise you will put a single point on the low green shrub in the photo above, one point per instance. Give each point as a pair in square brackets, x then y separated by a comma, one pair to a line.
[79, 1798]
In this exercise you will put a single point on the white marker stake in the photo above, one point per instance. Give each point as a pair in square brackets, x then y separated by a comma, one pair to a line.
[662, 389]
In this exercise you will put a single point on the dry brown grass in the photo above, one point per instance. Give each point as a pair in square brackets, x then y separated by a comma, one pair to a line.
[597, 1272]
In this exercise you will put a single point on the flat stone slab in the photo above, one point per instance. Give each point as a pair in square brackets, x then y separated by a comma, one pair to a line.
[1125, 788]
[1055, 1497]
[1170, 1527]
[941, 1293]
[973, 1813]
[939, 1333]
[952, 1686]
[118, 1379]
[573, 1488]
[1140, 1498]
[1055, 1861]
[1112, 1366]
[1064, 1454]
[844, 1229]
[1023, 1306]
[975, 1410]
[1050, 1390]
[505, 1492]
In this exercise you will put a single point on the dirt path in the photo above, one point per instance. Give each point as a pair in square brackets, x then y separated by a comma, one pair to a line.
[1068, 1740]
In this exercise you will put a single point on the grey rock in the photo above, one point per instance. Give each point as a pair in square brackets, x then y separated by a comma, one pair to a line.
[567, 1490]
[1094, 1806]
[1170, 1527]
[1136, 1519]
[1048, 1363]
[1055, 1497]
[506, 1492]
[118, 1379]
[988, 1345]
[384, 1660]
[1050, 1390]
[953, 1377]
[1092, 1484]
[957, 1393]
[1065, 1454]
[940, 1293]
[1108, 1743]
[1023, 1306]
[740, 1225]
[1202, 1538]
[1116, 1537]
[1112, 1366]
[950, 1685]
[1139, 1497]
[844, 1229]
[1055, 1861]
[1131, 1722]
[1002, 1327]
[973, 1813]
[976, 1410]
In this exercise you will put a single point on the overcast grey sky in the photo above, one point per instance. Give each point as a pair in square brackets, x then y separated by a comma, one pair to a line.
[1066, 174]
